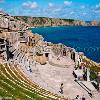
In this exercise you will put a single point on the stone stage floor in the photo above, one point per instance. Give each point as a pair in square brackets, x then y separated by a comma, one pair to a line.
[50, 77]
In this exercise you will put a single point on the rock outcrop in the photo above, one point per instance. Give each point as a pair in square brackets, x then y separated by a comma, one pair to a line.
[8, 23]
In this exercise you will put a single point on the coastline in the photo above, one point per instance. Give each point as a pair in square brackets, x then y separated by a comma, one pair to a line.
[65, 44]
[46, 65]
[93, 62]
[62, 26]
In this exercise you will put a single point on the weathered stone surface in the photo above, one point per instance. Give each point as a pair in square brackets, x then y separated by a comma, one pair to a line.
[3, 22]
[8, 23]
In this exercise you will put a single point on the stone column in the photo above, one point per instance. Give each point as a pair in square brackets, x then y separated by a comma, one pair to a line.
[50, 57]
[88, 74]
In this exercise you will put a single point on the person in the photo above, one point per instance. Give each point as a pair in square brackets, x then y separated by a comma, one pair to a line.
[61, 88]
[83, 97]
[58, 58]
[80, 67]
[77, 97]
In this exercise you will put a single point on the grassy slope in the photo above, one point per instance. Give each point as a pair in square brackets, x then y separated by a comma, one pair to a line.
[14, 84]
[44, 21]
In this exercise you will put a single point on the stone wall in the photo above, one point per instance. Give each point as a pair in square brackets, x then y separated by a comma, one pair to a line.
[8, 23]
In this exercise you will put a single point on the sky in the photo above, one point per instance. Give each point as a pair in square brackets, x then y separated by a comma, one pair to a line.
[86, 10]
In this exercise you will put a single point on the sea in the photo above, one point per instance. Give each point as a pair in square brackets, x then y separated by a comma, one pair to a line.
[84, 39]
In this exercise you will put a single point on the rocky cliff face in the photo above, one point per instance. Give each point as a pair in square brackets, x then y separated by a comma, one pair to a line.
[43, 21]
[8, 23]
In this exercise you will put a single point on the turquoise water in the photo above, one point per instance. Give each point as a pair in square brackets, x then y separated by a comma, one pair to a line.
[84, 39]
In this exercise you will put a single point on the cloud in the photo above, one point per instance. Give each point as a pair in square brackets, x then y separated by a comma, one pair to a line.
[50, 4]
[84, 13]
[98, 5]
[30, 5]
[96, 11]
[72, 12]
[83, 7]
[67, 3]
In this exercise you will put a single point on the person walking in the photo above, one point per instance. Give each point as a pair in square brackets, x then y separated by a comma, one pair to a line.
[61, 88]
[83, 97]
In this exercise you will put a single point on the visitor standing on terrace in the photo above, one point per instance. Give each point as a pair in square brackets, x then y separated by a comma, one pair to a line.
[61, 88]
[83, 97]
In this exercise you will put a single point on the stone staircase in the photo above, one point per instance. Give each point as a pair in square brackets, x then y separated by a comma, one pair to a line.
[89, 91]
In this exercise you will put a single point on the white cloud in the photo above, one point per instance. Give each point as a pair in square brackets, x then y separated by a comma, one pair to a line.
[57, 10]
[98, 5]
[67, 3]
[51, 4]
[31, 5]
[72, 12]
[98, 11]
[83, 7]
[84, 13]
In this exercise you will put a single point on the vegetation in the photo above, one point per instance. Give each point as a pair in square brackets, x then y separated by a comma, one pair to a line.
[93, 72]
[14, 85]
[69, 20]
[92, 75]
[25, 18]
[94, 69]
[44, 21]
[90, 64]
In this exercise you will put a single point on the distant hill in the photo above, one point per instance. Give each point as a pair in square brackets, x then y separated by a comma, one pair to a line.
[15, 23]
[44, 21]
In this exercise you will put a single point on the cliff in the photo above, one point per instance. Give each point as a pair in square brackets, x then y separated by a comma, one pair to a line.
[44, 21]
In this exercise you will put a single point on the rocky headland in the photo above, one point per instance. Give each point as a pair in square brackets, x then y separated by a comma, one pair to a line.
[43, 21]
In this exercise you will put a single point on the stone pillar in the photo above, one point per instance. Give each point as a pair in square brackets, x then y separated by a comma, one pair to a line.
[69, 55]
[76, 59]
[50, 57]
[88, 74]
[16, 45]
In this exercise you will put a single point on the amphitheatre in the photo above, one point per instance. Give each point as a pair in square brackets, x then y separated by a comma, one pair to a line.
[33, 69]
